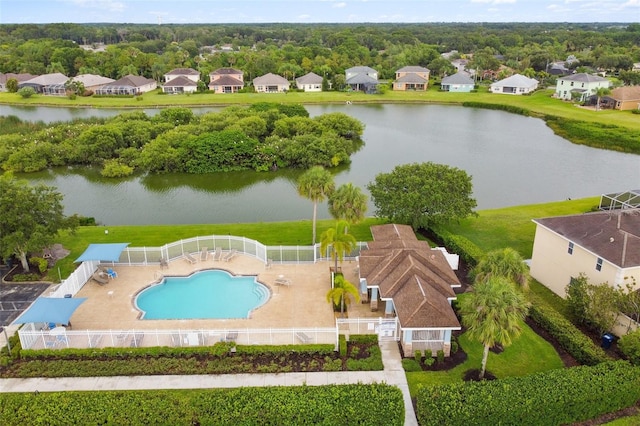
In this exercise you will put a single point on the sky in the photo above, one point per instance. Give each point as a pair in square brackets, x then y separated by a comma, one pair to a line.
[311, 11]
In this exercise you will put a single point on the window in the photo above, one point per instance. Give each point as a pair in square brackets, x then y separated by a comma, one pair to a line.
[570, 249]
[572, 84]
[599, 264]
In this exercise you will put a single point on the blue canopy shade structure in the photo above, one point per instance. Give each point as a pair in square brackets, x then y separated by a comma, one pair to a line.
[50, 310]
[105, 252]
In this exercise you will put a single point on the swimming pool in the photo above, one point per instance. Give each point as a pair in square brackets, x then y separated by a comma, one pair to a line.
[211, 294]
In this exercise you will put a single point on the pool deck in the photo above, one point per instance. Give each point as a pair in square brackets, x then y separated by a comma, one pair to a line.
[301, 304]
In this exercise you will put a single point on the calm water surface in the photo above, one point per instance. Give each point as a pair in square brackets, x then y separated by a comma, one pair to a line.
[513, 160]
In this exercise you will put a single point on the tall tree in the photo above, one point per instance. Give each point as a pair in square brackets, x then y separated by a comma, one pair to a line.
[348, 203]
[30, 218]
[316, 184]
[493, 313]
[339, 239]
[423, 194]
[506, 263]
[600, 92]
[341, 292]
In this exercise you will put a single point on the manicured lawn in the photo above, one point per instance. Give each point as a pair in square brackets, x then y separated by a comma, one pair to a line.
[540, 103]
[528, 354]
[512, 226]
[268, 233]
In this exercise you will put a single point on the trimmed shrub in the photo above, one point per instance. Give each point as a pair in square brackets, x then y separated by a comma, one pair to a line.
[568, 336]
[342, 345]
[460, 245]
[629, 344]
[508, 108]
[377, 404]
[562, 396]
[411, 365]
[40, 263]
[440, 356]
[417, 355]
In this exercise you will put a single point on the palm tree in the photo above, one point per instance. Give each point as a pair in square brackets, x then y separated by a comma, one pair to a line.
[506, 263]
[600, 92]
[339, 239]
[348, 203]
[340, 292]
[493, 313]
[315, 184]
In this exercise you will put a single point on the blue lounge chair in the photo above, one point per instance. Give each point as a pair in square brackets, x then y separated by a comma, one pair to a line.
[111, 273]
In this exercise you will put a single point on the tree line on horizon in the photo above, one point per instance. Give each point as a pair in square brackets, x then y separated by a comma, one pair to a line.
[292, 50]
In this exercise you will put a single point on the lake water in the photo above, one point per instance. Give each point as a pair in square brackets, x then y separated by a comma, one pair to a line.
[513, 160]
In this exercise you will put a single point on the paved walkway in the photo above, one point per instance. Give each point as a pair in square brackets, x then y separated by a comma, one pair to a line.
[393, 374]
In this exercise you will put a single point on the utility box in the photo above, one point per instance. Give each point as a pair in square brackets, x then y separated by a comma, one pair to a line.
[607, 340]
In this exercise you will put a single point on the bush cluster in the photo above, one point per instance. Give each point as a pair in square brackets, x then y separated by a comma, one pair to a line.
[562, 396]
[508, 108]
[377, 404]
[570, 338]
[460, 245]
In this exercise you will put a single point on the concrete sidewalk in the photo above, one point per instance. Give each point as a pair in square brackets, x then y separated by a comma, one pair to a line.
[393, 374]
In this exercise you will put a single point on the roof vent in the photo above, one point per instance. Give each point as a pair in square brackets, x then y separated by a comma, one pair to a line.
[611, 239]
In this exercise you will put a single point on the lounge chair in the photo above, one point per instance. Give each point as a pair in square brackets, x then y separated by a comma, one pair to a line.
[189, 258]
[100, 278]
[164, 263]
[283, 281]
[217, 255]
[204, 254]
[230, 255]
[303, 338]
[111, 273]
[231, 336]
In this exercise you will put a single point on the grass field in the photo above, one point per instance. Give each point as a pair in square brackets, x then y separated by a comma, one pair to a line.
[540, 103]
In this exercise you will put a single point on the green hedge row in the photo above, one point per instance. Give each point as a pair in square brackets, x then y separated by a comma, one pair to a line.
[556, 397]
[568, 336]
[460, 245]
[507, 108]
[322, 405]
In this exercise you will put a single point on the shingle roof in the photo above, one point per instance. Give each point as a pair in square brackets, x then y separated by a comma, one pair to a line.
[360, 70]
[310, 78]
[270, 79]
[181, 81]
[131, 80]
[612, 235]
[583, 78]
[227, 80]
[626, 93]
[516, 80]
[20, 77]
[47, 79]
[90, 80]
[361, 79]
[411, 78]
[183, 71]
[416, 277]
[413, 68]
[220, 71]
[458, 78]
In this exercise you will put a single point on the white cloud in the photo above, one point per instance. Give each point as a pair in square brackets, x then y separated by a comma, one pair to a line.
[632, 3]
[108, 5]
[339, 5]
[304, 17]
[494, 2]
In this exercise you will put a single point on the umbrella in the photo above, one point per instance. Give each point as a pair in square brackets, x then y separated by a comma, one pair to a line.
[107, 252]
[56, 310]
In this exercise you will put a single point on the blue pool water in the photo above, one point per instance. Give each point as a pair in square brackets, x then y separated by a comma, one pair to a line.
[212, 294]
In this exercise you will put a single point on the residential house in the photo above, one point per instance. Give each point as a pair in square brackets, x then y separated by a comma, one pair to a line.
[46, 83]
[226, 80]
[310, 82]
[517, 84]
[8, 76]
[579, 86]
[180, 84]
[92, 82]
[412, 78]
[622, 98]
[558, 69]
[458, 82]
[271, 83]
[128, 85]
[415, 283]
[189, 73]
[362, 79]
[604, 246]
[460, 64]
[636, 67]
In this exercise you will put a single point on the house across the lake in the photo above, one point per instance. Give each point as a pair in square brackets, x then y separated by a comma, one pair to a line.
[226, 80]
[271, 83]
[128, 85]
[416, 284]
[517, 84]
[310, 82]
[458, 82]
[412, 78]
[579, 86]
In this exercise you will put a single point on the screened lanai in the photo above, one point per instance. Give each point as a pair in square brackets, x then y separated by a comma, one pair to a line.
[620, 200]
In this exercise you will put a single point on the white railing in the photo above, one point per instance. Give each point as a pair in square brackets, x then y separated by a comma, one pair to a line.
[385, 328]
[246, 246]
[33, 336]
[76, 280]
